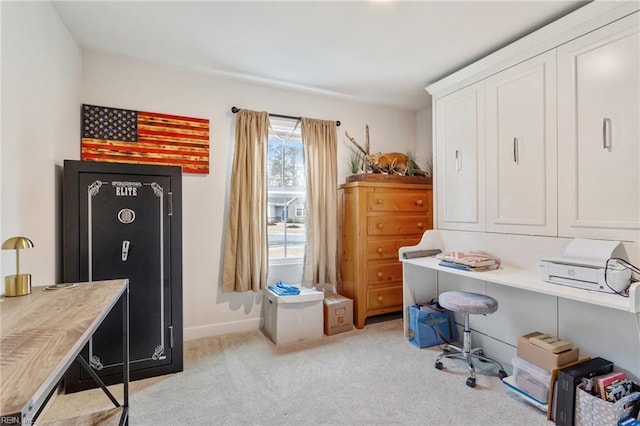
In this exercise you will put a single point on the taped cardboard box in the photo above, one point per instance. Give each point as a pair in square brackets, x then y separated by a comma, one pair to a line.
[338, 313]
[541, 357]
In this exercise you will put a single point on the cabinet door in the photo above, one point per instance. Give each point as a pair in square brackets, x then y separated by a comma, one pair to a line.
[459, 165]
[598, 150]
[521, 148]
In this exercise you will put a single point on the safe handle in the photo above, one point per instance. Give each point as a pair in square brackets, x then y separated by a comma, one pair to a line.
[125, 249]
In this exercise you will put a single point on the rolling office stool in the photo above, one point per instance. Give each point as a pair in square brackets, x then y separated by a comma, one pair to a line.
[468, 303]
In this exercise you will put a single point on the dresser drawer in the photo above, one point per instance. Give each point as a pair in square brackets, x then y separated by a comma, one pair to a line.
[384, 273]
[385, 298]
[414, 201]
[387, 249]
[397, 225]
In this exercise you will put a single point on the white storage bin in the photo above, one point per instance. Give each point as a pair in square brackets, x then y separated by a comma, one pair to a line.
[593, 411]
[293, 318]
[531, 379]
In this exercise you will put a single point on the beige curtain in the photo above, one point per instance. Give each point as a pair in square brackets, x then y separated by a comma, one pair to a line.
[246, 252]
[320, 143]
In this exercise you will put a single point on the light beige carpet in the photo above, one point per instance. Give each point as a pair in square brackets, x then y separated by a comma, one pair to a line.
[371, 376]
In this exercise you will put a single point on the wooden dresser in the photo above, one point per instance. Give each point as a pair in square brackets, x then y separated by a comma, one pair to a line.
[376, 219]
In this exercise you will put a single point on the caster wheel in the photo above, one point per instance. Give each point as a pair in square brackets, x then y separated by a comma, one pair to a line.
[438, 365]
[502, 374]
[471, 382]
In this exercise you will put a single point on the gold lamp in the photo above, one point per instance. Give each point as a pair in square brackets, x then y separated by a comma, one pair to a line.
[18, 284]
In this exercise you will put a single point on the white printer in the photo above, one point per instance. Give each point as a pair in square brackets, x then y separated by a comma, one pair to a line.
[583, 266]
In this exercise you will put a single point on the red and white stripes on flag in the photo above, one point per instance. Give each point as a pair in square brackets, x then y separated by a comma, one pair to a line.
[126, 136]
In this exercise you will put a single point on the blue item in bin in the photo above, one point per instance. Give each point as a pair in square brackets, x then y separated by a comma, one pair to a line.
[283, 289]
[423, 321]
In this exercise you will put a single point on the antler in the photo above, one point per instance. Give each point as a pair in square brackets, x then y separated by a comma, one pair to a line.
[366, 145]
[353, 141]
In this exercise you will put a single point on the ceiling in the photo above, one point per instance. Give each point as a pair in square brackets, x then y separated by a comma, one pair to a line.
[381, 52]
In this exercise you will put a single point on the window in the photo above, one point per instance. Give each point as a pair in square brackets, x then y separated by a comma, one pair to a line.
[286, 191]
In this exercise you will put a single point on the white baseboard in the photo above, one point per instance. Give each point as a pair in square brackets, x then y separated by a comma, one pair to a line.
[192, 333]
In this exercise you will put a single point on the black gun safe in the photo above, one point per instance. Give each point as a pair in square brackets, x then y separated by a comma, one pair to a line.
[125, 221]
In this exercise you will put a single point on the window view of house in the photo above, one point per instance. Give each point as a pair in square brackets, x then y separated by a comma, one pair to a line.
[286, 191]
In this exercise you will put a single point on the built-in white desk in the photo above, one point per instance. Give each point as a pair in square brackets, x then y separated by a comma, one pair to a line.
[528, 280]
[603, 330]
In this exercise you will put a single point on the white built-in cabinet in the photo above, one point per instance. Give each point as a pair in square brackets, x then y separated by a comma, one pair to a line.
[521, 147]
[598, 122]
[460, 159]
[549, 146]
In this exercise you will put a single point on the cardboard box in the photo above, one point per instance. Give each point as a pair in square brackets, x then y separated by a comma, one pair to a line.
[541, 357]
[294, 318]
[338, 313]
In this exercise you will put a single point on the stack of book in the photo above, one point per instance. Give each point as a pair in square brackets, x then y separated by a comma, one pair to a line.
[469, 260]
[614, 386]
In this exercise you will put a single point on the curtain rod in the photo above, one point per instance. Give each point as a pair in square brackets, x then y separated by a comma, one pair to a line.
[236, 109]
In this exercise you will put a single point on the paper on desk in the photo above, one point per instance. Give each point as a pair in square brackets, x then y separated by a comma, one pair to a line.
[596, 250]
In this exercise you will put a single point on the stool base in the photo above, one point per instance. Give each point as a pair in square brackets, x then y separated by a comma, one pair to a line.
[468, 354]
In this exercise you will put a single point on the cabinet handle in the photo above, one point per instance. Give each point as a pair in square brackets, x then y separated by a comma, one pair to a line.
[379, 200]
[606, 134]
[458, 161]
[379, 226]
[419, 203]
[380, 250]
[380, 274]
[420, 225]
[380, 299]
[516, 151]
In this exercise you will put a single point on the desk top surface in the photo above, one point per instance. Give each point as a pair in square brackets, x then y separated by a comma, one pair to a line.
[529, 280]
[42, 333]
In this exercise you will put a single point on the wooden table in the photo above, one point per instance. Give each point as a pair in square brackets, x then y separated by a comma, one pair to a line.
[43, 333]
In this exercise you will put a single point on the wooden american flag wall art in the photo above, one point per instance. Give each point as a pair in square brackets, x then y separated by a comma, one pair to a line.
[126, 136]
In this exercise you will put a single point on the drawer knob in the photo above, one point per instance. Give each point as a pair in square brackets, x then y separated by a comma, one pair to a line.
[380, 274]
[379, 226]
[420, 225]
[380, 250]
[379, 200]
[380, 299]
[419, 203]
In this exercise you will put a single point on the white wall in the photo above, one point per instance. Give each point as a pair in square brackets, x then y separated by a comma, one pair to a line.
[2, 291]
[120, 82]
[45, 78]
[41, 71]
[424, 136]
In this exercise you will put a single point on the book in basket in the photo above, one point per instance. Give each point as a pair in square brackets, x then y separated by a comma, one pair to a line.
[604, 384]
